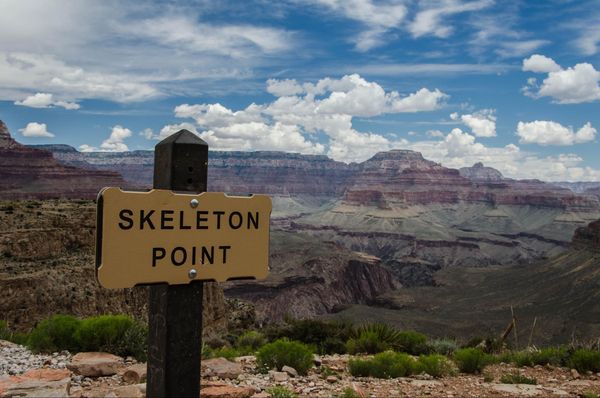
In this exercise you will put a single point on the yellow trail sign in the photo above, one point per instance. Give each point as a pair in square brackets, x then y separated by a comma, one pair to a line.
[162, 236]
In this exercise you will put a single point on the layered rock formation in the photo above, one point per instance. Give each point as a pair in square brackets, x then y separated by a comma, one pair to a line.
[32, 173]
[309, 277]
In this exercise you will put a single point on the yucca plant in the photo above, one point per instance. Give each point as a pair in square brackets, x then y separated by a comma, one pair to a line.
[373, 338]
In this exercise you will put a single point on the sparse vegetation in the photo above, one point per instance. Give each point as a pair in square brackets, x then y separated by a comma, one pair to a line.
[326, 337]
[285, 352]
[349, 393]
[435, 365]
[378, 337]
[471, 360]
[546, 356]
[281, 392]
[585, 360]
[251, 341]
[443, 346]
[515, 378]
[385, 365]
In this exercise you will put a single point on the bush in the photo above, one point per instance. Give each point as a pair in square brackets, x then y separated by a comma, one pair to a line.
[4, 332]
[251, 340]
[225, 352]
[385, 365]
[546, 356]
[285, 352]
[281, 392]
[134, 342]
[103, 333]
[326, 337]
[435, 365]
[515, 378]
[412, 342]
[443, 346]
[56, 333]
[471, 360]
[585, 360]
[367, 342]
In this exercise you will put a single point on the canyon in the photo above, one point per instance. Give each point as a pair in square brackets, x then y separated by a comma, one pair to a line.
[346, 239]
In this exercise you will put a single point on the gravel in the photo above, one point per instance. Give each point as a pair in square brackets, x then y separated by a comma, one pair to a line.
[16, 359]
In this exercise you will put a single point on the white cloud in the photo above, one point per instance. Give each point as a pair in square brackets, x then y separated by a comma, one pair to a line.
[126, 51]
[432, 19]
[34, 129]
[114, 143]
[378, 18]
[482, 123]
[510, 49]
[45, 100]
[544, 132]
[459, 149]
[575, 85]
[540, 64]
[301, 110]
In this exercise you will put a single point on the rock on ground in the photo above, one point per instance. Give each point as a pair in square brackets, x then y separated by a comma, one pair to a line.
[95, 364]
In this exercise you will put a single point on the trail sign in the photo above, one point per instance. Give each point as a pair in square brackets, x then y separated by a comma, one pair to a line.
[175, 238]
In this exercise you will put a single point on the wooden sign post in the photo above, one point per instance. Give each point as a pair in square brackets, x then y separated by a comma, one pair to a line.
[173, 238]
[175, 312]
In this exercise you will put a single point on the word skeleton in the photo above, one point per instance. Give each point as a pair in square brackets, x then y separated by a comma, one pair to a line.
[188, 220]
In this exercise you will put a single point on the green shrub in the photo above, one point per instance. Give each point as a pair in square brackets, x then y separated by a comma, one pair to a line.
[56, 333]
[515, 378]
[285, 352]
[281, 392]
[589, 395]
[471, 360]
[134, 342]
[368, 342]
[435, 365]
[545, 356]
[251, 340]
[413, 343]
[326, 337]
[385, 365]
[103, 333]
[585, 360]
[443, 346]
[4, 332]
[229, 353]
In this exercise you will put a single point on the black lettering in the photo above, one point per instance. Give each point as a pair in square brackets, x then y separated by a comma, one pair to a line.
[253, 220]
[194, 255]
[183, 256]
[200, 219]
[224, 250]
[156, 255]
[181, 223]
[164, 219]
[210, 256]
[146, 219]
[123, 216]
[218, 214]
[239, 221]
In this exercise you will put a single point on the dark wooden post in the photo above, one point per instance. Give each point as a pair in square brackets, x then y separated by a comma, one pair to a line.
[175, 312]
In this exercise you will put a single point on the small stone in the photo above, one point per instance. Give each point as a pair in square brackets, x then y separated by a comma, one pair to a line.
[133, 391]
[278, 376]
[317, 361]
[135, 374]
[331, 379]
[290, 371]
[261, 395]
[575, 374]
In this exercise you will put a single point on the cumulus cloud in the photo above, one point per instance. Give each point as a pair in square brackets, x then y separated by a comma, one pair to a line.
[37, 130]
[545, 132]
[482, 123]
[433, 17]
[45, 100]
[302, 110]
[114, 142]
[459, 149]
[573, 85]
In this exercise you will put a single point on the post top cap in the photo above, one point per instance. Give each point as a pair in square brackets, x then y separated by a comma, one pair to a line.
[182, 137]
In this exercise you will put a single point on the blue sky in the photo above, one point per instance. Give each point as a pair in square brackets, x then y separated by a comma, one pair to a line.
[514, 84]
